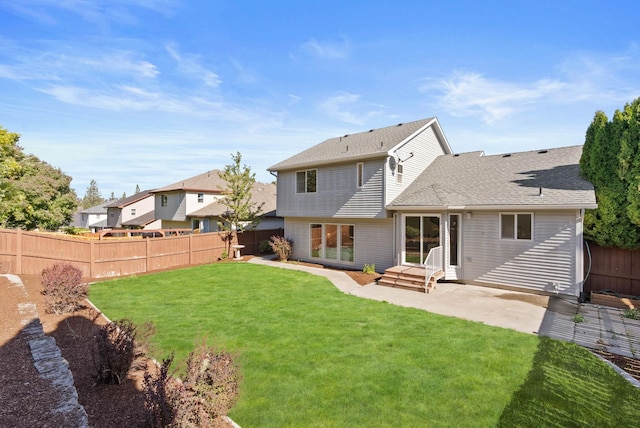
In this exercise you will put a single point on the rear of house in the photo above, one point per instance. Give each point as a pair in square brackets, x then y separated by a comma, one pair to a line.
[392, 196]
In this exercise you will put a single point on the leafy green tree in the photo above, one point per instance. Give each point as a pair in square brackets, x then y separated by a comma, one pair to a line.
[92, 196]
[242, 212]
[33, 194]
[610, 160]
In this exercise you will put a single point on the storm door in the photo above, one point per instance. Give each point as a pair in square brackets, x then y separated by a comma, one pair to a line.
[421, 234]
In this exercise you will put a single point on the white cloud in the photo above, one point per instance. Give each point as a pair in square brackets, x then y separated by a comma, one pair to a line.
[581, 78]
[327, 50]
[348, 108]
[471, 94]
[191, 65]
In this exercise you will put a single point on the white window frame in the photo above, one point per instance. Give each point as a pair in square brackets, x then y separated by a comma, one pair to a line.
[323, 246]
[399, 172]
[515, 226]
[360, 174]
[306, 181]
[164, 200]
[133, 211]
[200, 198]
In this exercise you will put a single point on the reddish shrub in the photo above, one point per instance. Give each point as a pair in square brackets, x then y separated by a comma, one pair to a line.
[63, 288]
[282, 247]
[120, 346]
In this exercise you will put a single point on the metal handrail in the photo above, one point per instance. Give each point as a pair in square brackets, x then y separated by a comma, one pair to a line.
[432, 264]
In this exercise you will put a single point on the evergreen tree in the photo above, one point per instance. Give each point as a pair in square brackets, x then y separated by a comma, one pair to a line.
[137, 189]
[610, 160]
[92, 196]
[242, 213]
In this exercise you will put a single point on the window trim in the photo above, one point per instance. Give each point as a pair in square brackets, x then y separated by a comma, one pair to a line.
[200, 198]
[399, 172]
[306, 181]
[164, 200]
[133, 211]
[515, 226]
[360, 175]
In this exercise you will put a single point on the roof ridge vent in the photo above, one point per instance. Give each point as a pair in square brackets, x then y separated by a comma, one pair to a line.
[455, 155]
[346, 135]
[400, 124]
[507, 155]
[543, 152]
[371, 130]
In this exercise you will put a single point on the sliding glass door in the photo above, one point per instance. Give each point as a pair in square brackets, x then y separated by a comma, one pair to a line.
[421, 234]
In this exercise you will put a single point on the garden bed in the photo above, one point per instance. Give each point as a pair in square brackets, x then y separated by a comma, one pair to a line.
[614, 300]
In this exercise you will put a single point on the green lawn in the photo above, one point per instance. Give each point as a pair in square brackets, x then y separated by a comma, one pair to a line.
[312, 356]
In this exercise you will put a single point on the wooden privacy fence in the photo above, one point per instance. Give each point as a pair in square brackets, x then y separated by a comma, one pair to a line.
[29, 252]
[613, 269]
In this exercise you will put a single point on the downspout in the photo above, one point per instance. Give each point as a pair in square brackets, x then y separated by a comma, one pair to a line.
[583, 297]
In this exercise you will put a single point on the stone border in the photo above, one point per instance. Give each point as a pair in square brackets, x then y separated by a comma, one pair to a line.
[48, 360]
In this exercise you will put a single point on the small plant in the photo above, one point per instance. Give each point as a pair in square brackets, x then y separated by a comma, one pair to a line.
[369, 269]
[119, 347]
[158, 395]
[578, 318]
[224, 255]
[282, 247]
[264, 247]
[63, 288]
[634, 313]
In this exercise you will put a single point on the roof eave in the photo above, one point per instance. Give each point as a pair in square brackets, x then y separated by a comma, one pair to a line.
[316, 164]
[490, 207]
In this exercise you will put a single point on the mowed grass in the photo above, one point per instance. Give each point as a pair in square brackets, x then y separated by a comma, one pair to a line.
[312, 356]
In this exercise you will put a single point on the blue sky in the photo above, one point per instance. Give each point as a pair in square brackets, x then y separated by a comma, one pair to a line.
[149, 92]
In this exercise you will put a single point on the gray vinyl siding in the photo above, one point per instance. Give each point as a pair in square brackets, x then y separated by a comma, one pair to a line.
[425, 148]
[373, 241]
[550, 257]
[176, 208]
[337, 194]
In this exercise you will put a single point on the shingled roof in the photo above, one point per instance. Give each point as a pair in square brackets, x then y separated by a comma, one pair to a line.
[363, 145]
[261, 193]
[121, 203]
[541, 178]
[206, 182]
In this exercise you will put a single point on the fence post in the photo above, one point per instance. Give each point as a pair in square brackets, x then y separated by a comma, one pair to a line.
[19, 252]
[147, 267]
[92, 262]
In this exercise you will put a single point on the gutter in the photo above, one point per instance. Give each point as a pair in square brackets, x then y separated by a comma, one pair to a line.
[487, 207]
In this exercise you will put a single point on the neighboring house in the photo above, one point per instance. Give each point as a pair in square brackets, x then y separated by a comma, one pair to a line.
[194, 203]
[93, 218]
[133, 212]
[388, 196]
[262, 194]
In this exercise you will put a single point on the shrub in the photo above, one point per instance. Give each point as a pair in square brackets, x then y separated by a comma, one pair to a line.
[209, 390]
[370, 269]
[204, 398]
[63, 288]
[282, 247]
[158, 395]
[632, 313]
[119, 347]
[264, 247]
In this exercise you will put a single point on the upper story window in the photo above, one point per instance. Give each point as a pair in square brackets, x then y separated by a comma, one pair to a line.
[399, 171]
[133, 211]
[516, 226]
[163, 200]
[306, 181]
[200, 198]
[360, 174]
